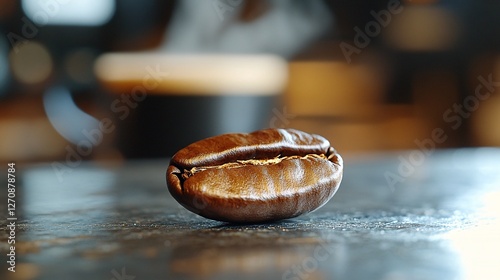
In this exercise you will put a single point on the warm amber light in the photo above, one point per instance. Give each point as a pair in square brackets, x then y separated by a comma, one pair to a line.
[423, 28]
[31, 62]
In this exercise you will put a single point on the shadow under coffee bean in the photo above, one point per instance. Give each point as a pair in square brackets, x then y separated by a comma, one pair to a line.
[256, 177]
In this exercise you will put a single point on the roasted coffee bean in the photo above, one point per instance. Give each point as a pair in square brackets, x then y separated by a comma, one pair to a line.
[257, 177]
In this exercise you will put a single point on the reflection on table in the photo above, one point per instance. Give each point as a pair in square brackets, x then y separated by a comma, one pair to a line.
[105, 221]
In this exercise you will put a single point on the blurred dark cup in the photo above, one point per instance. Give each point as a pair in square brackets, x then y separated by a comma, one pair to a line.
[161, 103]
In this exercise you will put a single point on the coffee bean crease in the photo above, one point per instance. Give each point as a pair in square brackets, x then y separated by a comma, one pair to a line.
[257, 177]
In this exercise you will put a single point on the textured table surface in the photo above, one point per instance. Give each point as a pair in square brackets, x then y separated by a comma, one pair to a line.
[395, 216]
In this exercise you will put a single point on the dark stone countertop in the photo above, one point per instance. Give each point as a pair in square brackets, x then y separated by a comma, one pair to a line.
[441, 220]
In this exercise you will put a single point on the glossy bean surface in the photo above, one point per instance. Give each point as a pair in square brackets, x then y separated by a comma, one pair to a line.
[262, 176]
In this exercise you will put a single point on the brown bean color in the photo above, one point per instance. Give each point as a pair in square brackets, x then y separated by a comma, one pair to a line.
[262, 176]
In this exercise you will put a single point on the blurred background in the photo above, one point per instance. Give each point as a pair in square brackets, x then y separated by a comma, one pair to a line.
[123, 79]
